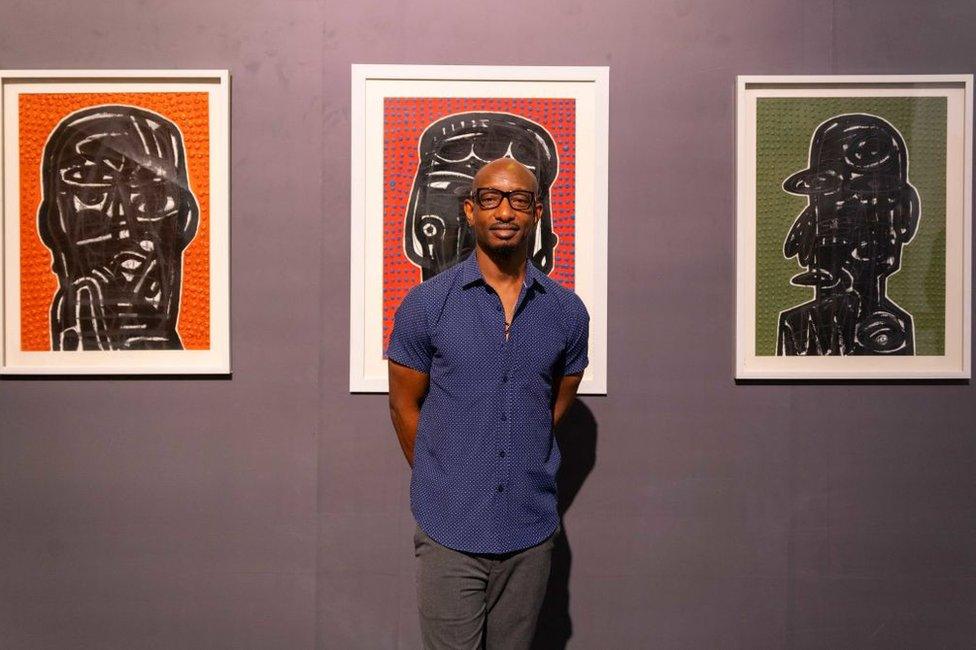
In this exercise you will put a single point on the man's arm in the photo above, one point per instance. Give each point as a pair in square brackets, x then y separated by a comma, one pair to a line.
[565, 388]
[408, 387]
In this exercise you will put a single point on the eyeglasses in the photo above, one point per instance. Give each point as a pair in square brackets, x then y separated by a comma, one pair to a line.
[488, 198]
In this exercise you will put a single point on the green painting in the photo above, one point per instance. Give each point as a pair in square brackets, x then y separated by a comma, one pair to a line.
[850, 226]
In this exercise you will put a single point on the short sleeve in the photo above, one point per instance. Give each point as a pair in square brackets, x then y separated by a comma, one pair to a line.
[410, 342]
[576, 359]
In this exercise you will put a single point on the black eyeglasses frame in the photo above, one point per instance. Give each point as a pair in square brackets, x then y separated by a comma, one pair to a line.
[475, 196]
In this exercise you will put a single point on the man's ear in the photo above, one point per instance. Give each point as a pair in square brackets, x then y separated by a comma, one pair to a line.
[469, 211]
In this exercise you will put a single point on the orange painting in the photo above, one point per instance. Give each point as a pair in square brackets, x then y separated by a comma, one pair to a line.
[40, 115]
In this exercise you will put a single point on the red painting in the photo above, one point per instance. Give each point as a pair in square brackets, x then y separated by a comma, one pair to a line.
[431, 149]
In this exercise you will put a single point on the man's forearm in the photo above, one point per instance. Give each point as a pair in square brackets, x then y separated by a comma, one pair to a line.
[405, 421]
[558, 411]
[565, 388]
[408, 390]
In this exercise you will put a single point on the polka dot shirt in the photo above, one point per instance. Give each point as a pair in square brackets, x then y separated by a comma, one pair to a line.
[485, 459]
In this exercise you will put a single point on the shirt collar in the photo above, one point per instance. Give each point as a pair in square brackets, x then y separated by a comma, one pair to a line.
[471, 273]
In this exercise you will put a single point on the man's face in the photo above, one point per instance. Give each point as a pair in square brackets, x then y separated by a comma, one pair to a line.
[503, 228]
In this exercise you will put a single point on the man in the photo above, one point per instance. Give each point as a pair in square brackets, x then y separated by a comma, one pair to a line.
[484, 359]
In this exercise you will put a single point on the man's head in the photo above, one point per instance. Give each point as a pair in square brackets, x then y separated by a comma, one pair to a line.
[861, 210]
[117, 213]
[503, 207]
[452, 150]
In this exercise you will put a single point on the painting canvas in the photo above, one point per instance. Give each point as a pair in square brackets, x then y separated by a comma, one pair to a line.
[419, 156]
[433, 147]
[853, 221]
[115, 221]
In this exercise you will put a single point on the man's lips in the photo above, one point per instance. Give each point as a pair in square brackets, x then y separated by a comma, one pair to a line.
[504, 231]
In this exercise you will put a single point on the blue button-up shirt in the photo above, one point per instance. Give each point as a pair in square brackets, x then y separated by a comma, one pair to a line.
[485, 459]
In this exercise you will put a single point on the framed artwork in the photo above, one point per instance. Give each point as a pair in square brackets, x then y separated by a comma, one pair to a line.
[853, 227]
[419, 133]
[114, 200]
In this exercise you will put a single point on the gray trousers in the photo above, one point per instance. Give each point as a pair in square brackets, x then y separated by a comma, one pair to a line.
[471, 601]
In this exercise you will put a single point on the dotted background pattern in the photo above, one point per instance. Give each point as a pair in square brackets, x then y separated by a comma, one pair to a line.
[39, 115]
[404, 121]
[784, 127]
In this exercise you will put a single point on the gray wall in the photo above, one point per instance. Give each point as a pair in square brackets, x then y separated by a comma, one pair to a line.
[270, 510]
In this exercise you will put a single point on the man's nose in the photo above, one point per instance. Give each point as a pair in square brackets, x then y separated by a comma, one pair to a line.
[504, 210]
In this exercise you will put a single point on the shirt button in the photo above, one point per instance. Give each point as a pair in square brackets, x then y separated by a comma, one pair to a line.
[504, 417]
[501, 488]
[501, 454]
[505, 378]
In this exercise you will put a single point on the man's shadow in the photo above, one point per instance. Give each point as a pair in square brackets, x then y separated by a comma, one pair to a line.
[576, 436]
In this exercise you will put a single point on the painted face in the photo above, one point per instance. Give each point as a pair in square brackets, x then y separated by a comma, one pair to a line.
[117, 214]
[861, 210]
[452, 151]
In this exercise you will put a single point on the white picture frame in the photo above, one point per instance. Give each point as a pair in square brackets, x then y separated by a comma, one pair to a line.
[213, 357]
[784, 363]
[371, 84]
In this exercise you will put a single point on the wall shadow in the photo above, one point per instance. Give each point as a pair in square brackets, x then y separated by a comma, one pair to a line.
[576, 436]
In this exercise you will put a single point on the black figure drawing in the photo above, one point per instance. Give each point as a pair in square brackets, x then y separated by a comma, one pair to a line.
[116, 213]
[452, 150]
[861, 211]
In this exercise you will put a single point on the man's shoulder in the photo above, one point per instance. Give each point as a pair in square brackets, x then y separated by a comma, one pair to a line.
[565, 297]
